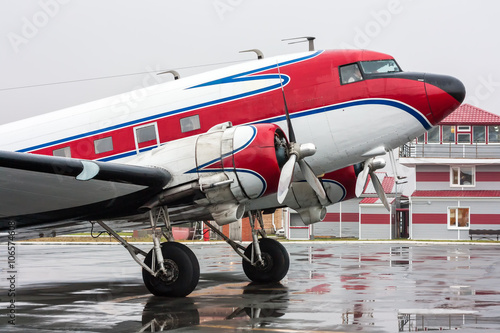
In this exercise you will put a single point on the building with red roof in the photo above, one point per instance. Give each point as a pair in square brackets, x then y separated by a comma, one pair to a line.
[457, 173]
[470, 115]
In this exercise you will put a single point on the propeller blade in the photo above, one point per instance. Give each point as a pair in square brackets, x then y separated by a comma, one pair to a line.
[380, 190]
[286, 178]
[394, 165]
[362, 179]
[311, 179]
[291, 133]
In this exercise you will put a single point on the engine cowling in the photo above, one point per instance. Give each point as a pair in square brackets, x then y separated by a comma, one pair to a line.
[220, 170]
[245, 154]
[217, 172]
[339, 186]
[250, 157]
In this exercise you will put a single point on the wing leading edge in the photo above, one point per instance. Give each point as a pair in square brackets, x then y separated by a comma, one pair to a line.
[36, 189]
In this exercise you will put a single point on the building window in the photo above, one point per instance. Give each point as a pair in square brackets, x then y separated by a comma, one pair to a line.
[350, 73]
[103, 145]
[493, 134]
[190, 123]
[448, 134]
[433, 135]
[463, 138]
[146, 133]
[62, 152]
[463, 176]
[464, 134]
[479, 134]
[458, 218]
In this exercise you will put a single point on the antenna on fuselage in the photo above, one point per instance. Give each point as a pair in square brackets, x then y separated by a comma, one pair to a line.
[260, 55]
[174, 73]
[305, 39]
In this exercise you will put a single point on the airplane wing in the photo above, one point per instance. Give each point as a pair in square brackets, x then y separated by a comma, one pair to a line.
[36, 189]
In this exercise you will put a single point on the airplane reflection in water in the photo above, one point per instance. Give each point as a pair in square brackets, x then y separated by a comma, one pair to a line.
[338, 286]
[257, 302]
[254, 306]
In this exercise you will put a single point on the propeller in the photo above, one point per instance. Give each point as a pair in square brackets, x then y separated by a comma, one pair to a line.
[399, 179]
[296, 154]
[371, 165]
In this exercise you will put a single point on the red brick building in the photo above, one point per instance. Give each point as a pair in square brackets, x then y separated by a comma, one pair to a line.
[241, 230]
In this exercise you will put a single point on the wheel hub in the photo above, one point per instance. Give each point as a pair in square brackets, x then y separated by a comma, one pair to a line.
[171, 272]
[266, 264]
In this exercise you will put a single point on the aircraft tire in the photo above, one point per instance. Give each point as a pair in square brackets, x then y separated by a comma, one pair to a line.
[276, 262]
[179, 258]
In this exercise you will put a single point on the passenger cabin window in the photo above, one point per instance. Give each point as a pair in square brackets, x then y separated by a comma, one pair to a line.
[350, 73]
[62, 152]
[190, 123]
[380, 66]
[146, 133]
[103, 145]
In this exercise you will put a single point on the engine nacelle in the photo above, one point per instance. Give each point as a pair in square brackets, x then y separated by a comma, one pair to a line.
[339, 186]
[247, 155]
[231, 166]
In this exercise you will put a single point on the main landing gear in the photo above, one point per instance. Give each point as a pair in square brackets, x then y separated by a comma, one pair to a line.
[171, 269]
[265, 260]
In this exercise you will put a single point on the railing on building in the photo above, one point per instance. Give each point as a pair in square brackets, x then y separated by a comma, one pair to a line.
[449, 150]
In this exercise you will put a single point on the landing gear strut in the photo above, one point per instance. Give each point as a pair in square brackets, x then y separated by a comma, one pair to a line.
[170, 269]
[182, 271]
[269, 259]
[273, 266]
[265, 260]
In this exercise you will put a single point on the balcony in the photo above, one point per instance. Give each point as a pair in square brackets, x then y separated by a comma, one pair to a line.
[449, 150]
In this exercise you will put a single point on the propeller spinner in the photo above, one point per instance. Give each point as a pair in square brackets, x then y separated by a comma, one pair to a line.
[296, 153]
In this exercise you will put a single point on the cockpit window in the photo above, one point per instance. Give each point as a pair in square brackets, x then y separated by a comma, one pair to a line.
[350, 73]
[380, 66]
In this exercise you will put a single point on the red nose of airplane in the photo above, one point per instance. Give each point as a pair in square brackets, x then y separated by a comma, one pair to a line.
[444, 94]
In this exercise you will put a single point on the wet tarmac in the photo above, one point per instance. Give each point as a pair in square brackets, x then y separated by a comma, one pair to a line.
[331, 287]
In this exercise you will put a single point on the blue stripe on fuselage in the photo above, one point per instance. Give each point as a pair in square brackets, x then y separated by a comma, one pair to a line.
[417, 115]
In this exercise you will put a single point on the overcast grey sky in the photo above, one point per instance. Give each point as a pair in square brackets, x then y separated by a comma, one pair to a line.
[48, 41]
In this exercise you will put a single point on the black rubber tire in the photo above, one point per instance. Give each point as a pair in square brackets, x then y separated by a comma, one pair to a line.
[276, 258]
[188, 271]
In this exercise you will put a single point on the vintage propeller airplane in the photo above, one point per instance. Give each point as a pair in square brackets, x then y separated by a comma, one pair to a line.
[213, 147]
